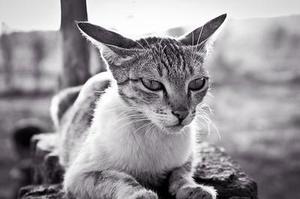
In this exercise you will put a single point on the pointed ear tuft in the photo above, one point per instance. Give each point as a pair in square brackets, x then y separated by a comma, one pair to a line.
[115, 48]
[203, 33]
[98, 34]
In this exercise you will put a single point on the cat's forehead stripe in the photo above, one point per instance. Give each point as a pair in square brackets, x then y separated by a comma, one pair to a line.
[172, 60]
[168, 55]
[158, 66]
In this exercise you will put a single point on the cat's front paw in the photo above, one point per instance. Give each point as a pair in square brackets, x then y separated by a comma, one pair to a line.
[144, 194]
[196, 192]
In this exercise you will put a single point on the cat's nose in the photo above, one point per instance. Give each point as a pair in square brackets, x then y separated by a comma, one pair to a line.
[181, 114]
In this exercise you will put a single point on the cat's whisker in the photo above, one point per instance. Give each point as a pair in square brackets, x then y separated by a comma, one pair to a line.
[160, 116]
[132, 119]
[204, 115]
[122, 113]
[141, 127]
[202, 112]
[132, 112]
[128, 124]
[118, 108]
[209, 123]
[209, 94]
[216, 130]
[128, 116]
[203, 108]
[149, 131]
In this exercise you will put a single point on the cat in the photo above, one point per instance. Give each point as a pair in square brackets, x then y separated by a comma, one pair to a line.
[132, 128]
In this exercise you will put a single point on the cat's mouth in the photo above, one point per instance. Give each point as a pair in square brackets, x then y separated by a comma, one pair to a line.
[176, 127]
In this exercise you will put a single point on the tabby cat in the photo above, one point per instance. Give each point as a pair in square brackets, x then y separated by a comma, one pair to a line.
[139, 134]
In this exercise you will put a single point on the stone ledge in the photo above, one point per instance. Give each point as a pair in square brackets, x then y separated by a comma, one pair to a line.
[42, 192]
[47, 169]
[216, 169]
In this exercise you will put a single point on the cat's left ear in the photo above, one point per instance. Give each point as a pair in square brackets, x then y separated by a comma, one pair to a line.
[199, 36]
[114, 47]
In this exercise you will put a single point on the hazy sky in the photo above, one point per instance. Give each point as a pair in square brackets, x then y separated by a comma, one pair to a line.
[138, 16]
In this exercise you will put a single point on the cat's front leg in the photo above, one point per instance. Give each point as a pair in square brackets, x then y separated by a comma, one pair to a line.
[107, 184]
[182, 185]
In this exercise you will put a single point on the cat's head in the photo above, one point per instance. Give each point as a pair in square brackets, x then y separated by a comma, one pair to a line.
[162, 78]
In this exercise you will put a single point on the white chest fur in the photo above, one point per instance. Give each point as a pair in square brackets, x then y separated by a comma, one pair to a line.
[114, 143]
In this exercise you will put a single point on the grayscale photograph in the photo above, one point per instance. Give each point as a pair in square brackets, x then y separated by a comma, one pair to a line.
[140, 99]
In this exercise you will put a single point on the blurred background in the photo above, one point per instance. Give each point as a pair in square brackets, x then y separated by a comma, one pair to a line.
[255, 67]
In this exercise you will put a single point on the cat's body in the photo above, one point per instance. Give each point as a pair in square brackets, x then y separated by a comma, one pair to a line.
[141, 132]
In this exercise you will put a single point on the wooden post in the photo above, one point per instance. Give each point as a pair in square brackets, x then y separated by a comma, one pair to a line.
[75, 47]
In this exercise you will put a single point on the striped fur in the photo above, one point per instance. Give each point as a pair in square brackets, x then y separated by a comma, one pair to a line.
[61, 102]
[129, 139]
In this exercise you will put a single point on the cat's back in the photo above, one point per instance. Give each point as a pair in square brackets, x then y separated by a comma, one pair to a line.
[75, 118]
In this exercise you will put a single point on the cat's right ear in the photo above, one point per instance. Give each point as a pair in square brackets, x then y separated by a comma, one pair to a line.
[114, 47]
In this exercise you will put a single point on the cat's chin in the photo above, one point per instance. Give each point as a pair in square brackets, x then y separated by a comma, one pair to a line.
[176, 129]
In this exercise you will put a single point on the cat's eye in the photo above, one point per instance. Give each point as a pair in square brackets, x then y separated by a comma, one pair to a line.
[152, 84]
[197, 84]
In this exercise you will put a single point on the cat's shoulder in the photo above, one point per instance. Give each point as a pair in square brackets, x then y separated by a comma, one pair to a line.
[69, 97]
[95, 85]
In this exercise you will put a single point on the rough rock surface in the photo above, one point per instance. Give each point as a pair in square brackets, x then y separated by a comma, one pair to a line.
[47, 169]
[215, 168]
